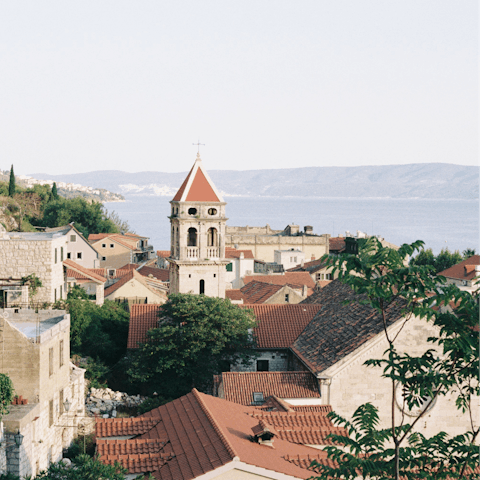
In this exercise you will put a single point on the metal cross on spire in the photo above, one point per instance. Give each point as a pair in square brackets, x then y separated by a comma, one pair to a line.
[198, 145]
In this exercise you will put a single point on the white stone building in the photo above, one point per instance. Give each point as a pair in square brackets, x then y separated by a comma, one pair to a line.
[35, 354]
[197, 257]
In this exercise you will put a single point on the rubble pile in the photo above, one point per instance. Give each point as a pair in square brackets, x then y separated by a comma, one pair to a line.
[104, 401]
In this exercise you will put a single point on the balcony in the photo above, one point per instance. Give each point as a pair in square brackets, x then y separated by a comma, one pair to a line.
[192, 253]
[213, 252]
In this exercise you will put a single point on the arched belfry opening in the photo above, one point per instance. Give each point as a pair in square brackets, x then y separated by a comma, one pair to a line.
[192, 237]
[202, 287]
[212, 237]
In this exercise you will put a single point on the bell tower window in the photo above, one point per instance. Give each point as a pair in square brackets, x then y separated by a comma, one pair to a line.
[202, 287]
[192, 211]
[212, 211]
[212, 237]
[192, 237]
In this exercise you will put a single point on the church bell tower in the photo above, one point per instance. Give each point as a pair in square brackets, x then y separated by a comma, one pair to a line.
[197, 246]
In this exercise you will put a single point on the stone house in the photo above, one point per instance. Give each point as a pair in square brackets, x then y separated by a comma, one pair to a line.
[86, 278]
[39, 253]
[299, 279]
[319, 271]
[79, 249]
[116, 250]
[464, 274]
[263, 241]
[261, 292]
[342, 336]
[241, 264]
[35, 354]
[199, 436]
[135, 288]
[289, 258]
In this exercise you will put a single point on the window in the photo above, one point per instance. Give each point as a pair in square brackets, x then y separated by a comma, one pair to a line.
[61, 254]
[60, 359]
[229, 267]
[61, 292]
[202, 286]
[56, 255]
[214, 275]
[73, 238]
[192, 211]
[104, 258]
[192, 237]
[79, 255]
[287, 297]
[258, 398]
[61, 402]
[212, 237]
[50, 413]
[262, 366]
[50, 362]
[69, 255]
[55, 295]
[212, 211]
[112, 245]
[104, 245]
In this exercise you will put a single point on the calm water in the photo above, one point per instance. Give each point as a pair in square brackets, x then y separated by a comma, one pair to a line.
[439, 223]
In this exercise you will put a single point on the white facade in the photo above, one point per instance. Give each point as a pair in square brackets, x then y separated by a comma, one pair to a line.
[240, 266]
[289, 258]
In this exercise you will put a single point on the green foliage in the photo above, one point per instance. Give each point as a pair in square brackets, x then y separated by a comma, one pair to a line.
[445, 259]
[98, 331]
[96, 371]
[151, 403]
[54, 191]
[6, 393]
[84, 468]
[77, 293]
[197, 337]
[33, 282]
[469, 252]
[11, 184]
[450, 366]
[80, 445]
[88, 217]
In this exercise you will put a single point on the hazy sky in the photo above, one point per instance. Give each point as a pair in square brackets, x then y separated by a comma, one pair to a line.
[90, 85]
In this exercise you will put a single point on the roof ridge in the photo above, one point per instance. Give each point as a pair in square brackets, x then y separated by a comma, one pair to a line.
[215, 425]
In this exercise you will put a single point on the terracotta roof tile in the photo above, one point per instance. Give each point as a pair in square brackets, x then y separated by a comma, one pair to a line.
[336, 244]
[310, 267]
[129, 266]
[86, 272]
[203, 433]
[234, 294]
[280, 325]
[119, 427]
[234, 253]
[143, 317]
[162, 274]
[464, 270]
[259, 292]
[338, 329]
[163, 253]
[239, 387]
[292, 278]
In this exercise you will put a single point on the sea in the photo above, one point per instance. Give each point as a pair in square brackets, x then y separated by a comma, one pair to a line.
[453, 224]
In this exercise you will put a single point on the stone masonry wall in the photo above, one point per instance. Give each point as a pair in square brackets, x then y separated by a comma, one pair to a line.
[277, 362]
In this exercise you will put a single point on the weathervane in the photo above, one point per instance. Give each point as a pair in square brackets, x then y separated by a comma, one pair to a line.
[198, 145]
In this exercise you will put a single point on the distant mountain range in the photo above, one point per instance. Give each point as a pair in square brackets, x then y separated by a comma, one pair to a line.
[418, 180]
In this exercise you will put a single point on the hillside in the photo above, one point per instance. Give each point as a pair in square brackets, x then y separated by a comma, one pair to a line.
[438, 180]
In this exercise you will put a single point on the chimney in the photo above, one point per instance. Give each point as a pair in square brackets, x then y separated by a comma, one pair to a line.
[242, 255]
[308, 229]
[302, 262]
[304, 291]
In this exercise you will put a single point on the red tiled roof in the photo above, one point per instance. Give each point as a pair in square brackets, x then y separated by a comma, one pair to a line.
[280, 325]
[464, 270]
[94, 237]
[120, 427]
[205, 433]
[239, 387]
[336, 244]
[197, 187]
[162, 274]
[310, 267]
[234, 294]
[259, 292]
[163, 253]
[129, 266]
[129, 275]
[115, 237]
[86, 272]
[234, 253]
[143, 317]
[293, 278]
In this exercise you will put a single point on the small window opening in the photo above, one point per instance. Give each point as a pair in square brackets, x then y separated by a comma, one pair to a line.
[262, 366]
[79, 255]
[202, 287]
[212, 211]
[192, 211]
[73, 238]
[212, 237]
[192, 237]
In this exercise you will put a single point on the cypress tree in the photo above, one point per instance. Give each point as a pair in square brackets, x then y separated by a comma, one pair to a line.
[54, 191]
[11, 185]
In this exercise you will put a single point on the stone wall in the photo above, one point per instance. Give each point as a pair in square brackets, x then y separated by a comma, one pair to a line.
[22, 255]
[278, 361]
[353, 384]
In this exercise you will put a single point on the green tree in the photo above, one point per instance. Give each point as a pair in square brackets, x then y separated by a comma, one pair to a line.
[446, 259]
[11, 185]
[380, 276]
[6, 394]
[197, 337]
[54, 191]
[467, 253]
[84, 467]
